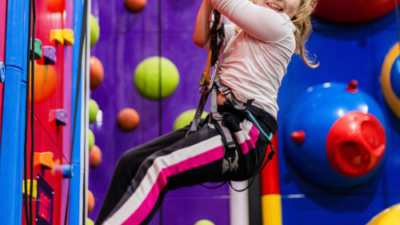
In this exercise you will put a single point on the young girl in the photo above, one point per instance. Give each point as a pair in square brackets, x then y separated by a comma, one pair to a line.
[256, 52]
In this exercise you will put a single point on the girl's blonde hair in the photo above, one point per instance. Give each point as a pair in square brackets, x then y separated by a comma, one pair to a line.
[303, 25]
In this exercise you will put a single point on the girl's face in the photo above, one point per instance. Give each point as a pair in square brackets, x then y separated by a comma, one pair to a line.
[283, 6]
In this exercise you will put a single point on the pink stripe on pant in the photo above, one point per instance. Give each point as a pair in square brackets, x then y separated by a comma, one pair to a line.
[249, 144]
[145, 208]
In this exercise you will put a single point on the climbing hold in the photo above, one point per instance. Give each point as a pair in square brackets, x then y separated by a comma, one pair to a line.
[61, 117]
[49, 55]
[91, 139]
[89, 221]
[345, 136]
[390, 80]
[43, 159]
[352, 87]
[204, 222]
[96, 72]
[135, 6]
[298, 137]
[128, 119]
[68, 35]
[94, 31]
[388, 216]
[93, 109]
[38, 48]
[355, 144]
[148, 74]
[90, 201]
[185, 118]
[95, 157]
[56, 37]
[34, 188]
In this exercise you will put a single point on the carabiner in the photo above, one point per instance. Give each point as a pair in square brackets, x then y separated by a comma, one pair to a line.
[215, 18]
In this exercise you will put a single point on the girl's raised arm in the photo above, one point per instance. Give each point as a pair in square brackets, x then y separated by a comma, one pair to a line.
[260, 22]
[201, 31]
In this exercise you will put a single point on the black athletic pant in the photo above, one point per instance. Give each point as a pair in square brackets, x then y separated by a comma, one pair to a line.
[146, 173]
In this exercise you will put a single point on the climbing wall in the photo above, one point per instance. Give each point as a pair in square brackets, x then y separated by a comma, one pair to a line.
[52, 102]
[346, 51]
[352, 47]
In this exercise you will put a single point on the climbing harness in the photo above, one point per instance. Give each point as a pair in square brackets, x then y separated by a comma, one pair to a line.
[206, 85]
[213, 85]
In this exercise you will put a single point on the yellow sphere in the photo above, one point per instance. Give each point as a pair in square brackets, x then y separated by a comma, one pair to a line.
[388, 216]
[89, 221]
[391, 99]
[185, 118]
[204, 222]
[152, 72]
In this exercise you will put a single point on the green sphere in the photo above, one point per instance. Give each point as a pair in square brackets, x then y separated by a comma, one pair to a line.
[89, 221]
[147, 78]
[204, 222]
[94, 31]
[93, 109]
[185, 118]
[91, 139]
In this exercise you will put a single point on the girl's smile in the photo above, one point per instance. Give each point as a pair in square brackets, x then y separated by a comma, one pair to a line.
[282, 6]
[274, 7]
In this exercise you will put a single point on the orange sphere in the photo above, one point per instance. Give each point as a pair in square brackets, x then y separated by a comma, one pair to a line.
[95, 157]
[96, 72]
[90, 202]
[135, 6]
[45, 82]
[128, 119]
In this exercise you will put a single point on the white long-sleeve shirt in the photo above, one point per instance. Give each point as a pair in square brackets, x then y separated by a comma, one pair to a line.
[254, 61]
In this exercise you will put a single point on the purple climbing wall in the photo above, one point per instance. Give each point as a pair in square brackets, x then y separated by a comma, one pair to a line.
[125, 40]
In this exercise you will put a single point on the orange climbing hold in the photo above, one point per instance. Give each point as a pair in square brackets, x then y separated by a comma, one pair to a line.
[135, 6]
[95, 157]
[96, 72]
[90, 202]
[43, 159]
[128, 119]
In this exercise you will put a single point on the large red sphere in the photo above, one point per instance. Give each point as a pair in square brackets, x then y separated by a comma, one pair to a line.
[353, 11]
[135, 6]
[355, 144]
[96, 72]
[45, 82]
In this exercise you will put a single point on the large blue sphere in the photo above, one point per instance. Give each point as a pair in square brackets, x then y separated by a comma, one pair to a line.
[315, 112]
